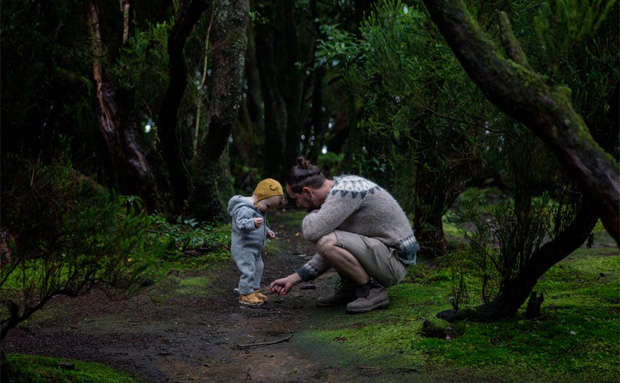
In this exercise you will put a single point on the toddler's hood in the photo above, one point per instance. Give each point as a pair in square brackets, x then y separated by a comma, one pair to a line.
[236, 202]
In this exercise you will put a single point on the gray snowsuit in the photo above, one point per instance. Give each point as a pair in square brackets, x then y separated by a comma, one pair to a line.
[247, 242]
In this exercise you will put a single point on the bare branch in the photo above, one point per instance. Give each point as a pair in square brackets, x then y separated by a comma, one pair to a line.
[264, 343]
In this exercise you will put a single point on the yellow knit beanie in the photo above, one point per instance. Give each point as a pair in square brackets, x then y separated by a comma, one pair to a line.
[268, 188]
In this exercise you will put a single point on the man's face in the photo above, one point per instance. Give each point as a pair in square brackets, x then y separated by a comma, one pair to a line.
[305, 198]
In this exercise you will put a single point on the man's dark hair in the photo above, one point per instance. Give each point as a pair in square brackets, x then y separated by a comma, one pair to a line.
[304, 174]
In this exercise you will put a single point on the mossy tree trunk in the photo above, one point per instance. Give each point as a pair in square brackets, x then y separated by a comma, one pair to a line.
[188, 15]
[524, 95]
[230, 46]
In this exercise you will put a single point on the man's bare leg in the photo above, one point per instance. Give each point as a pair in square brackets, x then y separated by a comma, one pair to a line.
[369, 296]
[341, 260]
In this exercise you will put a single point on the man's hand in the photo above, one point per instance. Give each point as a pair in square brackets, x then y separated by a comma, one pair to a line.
[271, 235]
[258, 222]
[283, 286]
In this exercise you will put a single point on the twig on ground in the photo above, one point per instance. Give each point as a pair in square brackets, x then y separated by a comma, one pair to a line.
[374, 368]
[264, 343]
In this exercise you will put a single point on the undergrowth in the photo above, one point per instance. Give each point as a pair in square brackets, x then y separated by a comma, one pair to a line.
[574, 340]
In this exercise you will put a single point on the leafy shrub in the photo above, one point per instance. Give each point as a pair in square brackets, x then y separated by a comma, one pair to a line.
[190, 237]
[67, 235]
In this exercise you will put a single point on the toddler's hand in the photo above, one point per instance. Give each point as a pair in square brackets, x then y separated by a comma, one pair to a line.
[258, 222]
[271, 234]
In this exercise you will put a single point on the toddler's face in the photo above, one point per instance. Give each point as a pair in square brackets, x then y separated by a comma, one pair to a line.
[266, 204]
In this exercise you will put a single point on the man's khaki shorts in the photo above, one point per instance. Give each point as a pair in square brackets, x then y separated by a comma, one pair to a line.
[379, 261]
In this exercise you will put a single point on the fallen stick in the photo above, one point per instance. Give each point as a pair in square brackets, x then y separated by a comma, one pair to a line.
[264, 343]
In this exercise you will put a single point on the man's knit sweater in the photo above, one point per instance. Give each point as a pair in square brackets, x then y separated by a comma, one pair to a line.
[357, 205]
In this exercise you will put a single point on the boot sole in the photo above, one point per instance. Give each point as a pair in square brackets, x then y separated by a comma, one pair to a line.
[251, 304]
[378, 305]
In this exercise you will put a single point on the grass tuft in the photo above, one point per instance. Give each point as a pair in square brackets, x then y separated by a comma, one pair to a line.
[40, 369]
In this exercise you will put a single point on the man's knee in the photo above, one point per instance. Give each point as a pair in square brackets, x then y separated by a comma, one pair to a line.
[326, 243]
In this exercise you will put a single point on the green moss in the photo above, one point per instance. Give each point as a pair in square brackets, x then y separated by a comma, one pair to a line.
[196, 286]
[575, 340]
[35, 369]
[451, 231]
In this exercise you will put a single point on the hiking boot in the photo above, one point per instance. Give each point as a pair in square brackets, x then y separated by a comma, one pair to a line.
[345, 293]
[260, 295]
[250, 299]
[371, 296]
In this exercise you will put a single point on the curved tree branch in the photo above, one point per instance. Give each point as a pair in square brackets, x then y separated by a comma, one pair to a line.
[526, 97]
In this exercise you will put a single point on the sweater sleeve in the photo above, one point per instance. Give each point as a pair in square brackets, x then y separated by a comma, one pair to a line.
[243, 219]
[338, 206]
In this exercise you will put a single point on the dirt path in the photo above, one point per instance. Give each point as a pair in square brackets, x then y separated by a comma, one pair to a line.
[171, 336]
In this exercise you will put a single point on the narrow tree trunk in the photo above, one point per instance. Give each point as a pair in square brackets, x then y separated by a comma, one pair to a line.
[230, 47]
[117, 121]
[275, 105]
[427, 224]
[525, 96]
[430, 234]
[291, 85]
[318, 77]
[254, 99]
[141, 177]
[438, 182]
[316, 113]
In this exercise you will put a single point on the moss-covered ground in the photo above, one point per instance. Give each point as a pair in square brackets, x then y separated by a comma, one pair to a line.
[574, 340]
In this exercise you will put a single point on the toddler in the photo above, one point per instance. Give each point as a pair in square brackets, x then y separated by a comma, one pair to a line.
[249, 230]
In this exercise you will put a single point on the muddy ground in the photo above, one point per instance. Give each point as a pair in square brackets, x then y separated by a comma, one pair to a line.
[165, 335]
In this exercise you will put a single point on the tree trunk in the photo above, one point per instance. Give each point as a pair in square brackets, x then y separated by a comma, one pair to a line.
[525, 96]
[188, 15]
[291, 85]
[117, 121]
[230, 47]
[275, 105]
[254, 98]
[439, 180]
[514, 292]
[317, 125]
[316, 115]
[430, 208]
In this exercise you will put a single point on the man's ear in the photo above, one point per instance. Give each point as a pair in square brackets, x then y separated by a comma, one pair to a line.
[307, 190]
